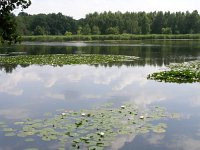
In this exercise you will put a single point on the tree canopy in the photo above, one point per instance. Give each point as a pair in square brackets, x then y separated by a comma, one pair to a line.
[7, 19]
[110, 23]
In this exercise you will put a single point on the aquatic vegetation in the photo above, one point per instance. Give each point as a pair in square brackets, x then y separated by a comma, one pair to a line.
[96, 129]
[187, 72]
[64, 59]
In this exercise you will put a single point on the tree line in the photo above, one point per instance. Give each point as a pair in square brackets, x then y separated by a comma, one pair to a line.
[110, 23]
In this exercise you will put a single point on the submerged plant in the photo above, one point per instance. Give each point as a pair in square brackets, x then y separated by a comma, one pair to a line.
[96, 129]
[187, 72]
[62, 59]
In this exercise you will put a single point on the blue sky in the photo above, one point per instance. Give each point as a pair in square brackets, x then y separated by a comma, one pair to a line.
[79, 8]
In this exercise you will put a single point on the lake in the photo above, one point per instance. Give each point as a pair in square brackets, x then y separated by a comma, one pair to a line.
[29, 91]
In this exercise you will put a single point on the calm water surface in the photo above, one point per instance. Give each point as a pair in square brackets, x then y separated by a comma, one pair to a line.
[30, 91]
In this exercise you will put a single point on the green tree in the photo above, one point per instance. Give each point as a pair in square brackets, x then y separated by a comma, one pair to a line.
[79, 30]
[86, 30]
[112, 30]
[158, 23]
[144, 23]
[8, 23]
[192, 22]
[95, 30]
[166, 30]
[67, 33]
[39, 31]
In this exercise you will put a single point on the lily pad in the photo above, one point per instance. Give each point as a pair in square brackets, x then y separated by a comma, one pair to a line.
[29, 140]
[31, 149]
[19, 123]
[95, 131]
[187, 72]
[8, 130]
[10, 134]
[65, 59]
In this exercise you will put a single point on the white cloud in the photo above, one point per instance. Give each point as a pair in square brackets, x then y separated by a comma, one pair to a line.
[10, 83]
[101, 76]
[14, 113]
[185, 143]
[79, 8]
[155, 139]
[127, 79]
[56, 96]
[90, 96]
[120, 141]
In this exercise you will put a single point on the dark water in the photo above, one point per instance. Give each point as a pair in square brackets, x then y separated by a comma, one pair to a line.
[30, 91]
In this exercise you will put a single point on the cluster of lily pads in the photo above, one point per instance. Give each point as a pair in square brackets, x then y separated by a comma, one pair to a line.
[187, 72]
[64, 59]
[90, 129]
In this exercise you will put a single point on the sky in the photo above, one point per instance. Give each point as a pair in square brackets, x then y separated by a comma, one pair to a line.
[79, 8]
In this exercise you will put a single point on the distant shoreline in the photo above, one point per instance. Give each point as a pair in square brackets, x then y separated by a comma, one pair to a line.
[123, 37]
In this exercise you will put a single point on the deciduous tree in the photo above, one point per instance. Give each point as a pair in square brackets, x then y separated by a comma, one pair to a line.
[7, 19]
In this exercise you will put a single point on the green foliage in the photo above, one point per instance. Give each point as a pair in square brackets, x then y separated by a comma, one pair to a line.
[92, 129]
[65, 59]
[144, 23]
[95, 30]
[79, 30]
[7, 21]
[179, 73]
[113, 23]
[39, 30]
[86, 30]
[67, 33]
[112, 30]
[166, 31]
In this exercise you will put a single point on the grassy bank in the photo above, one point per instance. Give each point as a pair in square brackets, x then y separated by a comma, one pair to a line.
[47, 38]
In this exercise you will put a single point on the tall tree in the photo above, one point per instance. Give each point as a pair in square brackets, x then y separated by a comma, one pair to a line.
[144, 23]
[158, 23]
[95, 30]
[192, 22]
[8, 23]
[86, 30]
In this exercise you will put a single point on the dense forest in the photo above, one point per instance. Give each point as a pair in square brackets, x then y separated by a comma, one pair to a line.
[110, 23]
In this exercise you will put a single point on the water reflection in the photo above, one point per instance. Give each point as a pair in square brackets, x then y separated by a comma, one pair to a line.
[178, 137]
[155, 53]
[90, 85]
[30, 91]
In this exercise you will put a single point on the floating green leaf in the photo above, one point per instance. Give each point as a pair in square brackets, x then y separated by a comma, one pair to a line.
[19, 123]
[10, 134]
[31, 149]
[29, 140]
[62, 59]
[96, 129]
[8, 130]
[187, 72]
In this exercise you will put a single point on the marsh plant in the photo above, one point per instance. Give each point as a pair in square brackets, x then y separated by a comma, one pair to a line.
[187, 72]
[91, 129]
[61, 59]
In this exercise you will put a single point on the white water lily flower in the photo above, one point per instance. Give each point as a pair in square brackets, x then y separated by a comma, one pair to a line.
[63, 114]
[141, 117]
[102, 133]
[123, 107]
[83, 114]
